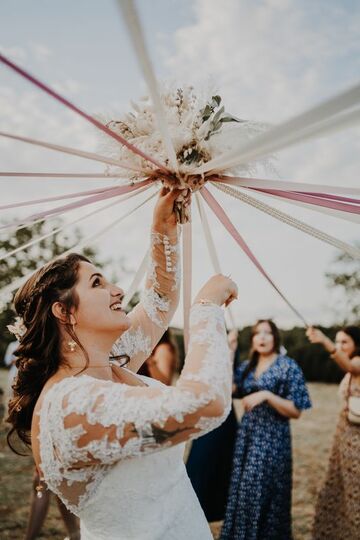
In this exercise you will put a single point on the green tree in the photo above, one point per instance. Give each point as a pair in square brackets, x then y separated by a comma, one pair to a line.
[30, 258]
[345, 280]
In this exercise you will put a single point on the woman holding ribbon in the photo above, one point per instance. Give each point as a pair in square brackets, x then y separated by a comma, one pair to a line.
[337, 514]
[107, 441]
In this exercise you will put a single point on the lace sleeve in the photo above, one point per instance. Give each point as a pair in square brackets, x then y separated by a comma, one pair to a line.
[104, 422]
[151, 317]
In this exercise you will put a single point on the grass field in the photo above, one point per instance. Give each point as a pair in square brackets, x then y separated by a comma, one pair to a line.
[312, 436]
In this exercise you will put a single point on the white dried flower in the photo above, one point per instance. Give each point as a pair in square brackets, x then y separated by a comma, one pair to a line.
[18, 328]
[198, 125]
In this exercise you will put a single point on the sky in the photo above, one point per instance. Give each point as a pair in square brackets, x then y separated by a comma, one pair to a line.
[269, 60]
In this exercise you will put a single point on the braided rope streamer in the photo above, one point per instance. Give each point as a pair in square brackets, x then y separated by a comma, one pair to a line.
[289, 220]
[229, 226]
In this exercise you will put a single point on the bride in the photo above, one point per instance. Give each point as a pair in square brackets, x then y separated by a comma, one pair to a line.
[108, 442]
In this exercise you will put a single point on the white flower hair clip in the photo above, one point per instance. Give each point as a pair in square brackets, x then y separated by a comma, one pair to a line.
[18, 328]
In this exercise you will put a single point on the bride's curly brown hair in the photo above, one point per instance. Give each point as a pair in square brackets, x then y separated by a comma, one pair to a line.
[39, 352]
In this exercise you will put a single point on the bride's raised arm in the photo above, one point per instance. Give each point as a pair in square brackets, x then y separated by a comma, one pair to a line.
[104, 422]
[152, 316]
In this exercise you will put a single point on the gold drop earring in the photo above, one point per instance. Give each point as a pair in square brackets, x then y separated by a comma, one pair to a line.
[71, 343]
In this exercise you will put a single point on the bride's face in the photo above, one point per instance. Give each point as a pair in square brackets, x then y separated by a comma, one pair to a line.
[99, 308]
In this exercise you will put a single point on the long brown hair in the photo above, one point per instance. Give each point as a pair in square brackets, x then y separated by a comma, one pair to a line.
[39, 352]
[166, 339]
[254, 355]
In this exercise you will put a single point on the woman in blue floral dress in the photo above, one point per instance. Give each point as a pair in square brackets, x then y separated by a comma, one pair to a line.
[273, 390]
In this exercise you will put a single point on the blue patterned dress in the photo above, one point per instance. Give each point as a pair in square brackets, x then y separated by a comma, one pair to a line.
[259, 501]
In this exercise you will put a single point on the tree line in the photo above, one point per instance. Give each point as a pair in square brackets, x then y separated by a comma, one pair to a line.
[344, 280]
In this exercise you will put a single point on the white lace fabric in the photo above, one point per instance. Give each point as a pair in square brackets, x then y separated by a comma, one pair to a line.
[159, 301]
[93, 432]
[88, 424]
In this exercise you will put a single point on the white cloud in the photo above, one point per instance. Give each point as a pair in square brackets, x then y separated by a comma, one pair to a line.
[270, 60]
[68, 87]
[41, 52]
[14, 53]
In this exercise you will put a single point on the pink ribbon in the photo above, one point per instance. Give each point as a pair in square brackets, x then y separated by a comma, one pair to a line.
[82, 113]
[224, 219]
[310, 199]
[187, 269]
[327, 200]
[57, 198]
[331, 197]
[120, 190]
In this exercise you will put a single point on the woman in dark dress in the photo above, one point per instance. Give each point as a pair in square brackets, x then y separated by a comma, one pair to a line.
[273, 390]
[210, 459]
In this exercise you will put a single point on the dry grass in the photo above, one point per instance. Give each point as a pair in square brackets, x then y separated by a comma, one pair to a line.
[312, 436]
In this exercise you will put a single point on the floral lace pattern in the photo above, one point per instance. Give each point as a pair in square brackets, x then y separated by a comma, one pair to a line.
[88, 425]
[159, 301]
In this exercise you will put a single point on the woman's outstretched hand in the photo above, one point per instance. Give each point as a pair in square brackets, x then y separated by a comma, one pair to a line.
[218, 289]
[315, 335]
[164, 218]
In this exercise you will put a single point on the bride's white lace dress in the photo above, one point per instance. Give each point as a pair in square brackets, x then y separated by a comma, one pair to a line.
[114, 452]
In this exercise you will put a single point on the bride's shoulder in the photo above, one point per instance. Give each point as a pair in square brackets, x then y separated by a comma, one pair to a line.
[56, 387]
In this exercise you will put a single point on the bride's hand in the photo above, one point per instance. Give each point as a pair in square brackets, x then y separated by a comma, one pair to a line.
[219, 289]
[164, 218]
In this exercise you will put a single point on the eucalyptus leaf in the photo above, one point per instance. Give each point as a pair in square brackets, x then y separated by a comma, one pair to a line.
[218, 114]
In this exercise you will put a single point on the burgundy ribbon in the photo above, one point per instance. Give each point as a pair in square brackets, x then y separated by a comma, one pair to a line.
[310, 199]
[331, 197]
[82, 113]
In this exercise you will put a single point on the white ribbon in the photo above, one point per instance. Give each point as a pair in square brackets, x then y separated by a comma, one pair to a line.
[137, 37]
[212, 250]
[187, 278]
[314, 121]
[67, 150]
[13, 174]
[136, 281]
